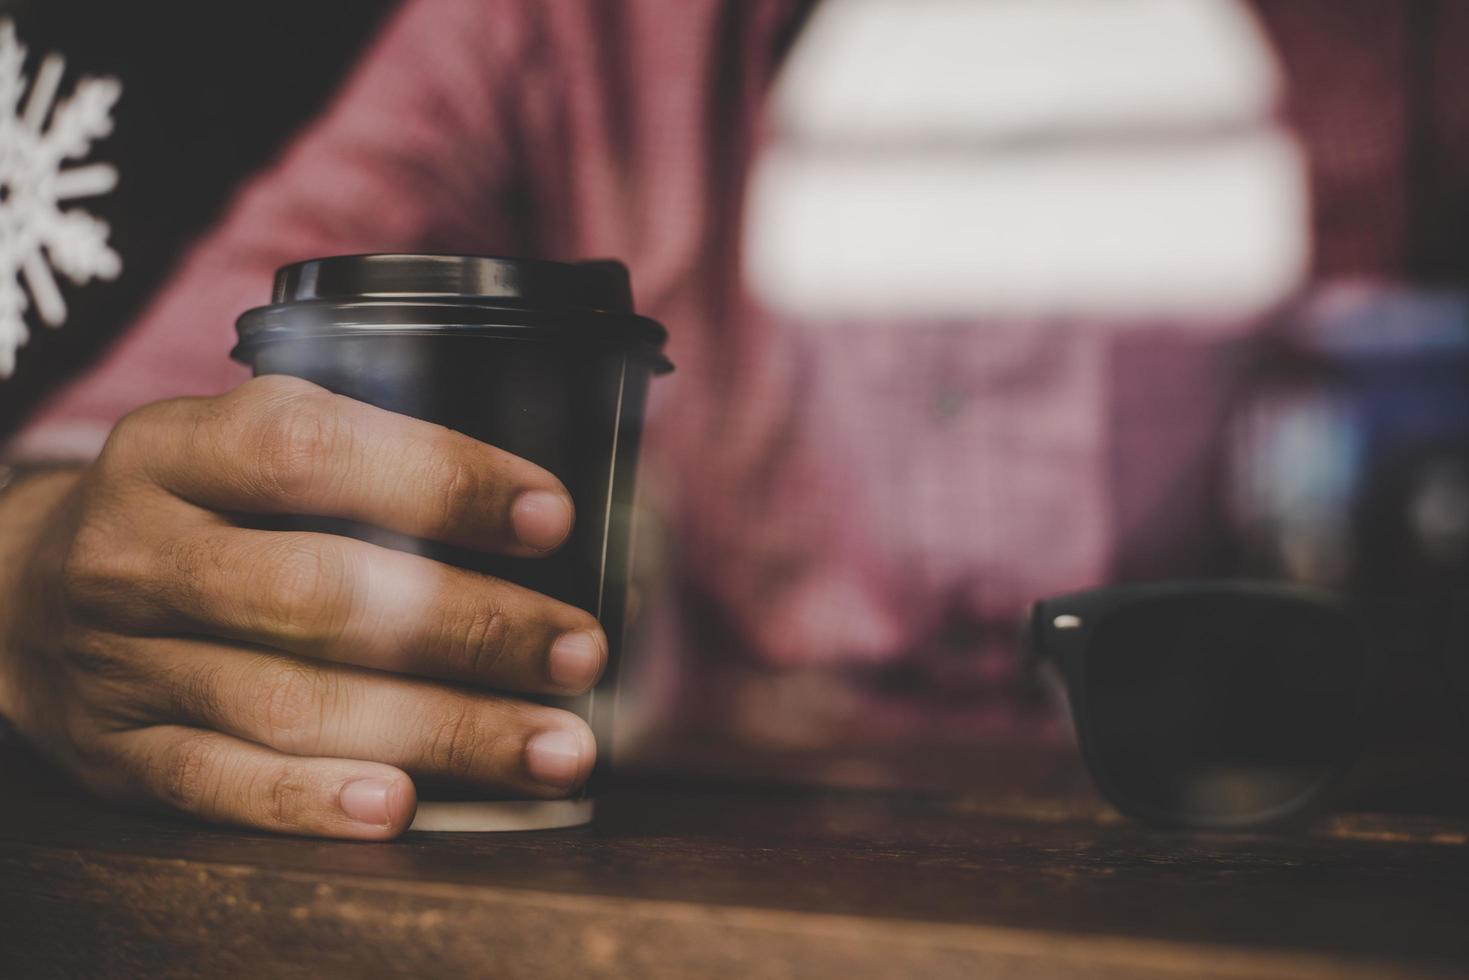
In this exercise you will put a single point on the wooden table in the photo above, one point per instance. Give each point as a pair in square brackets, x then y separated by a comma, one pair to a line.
[681, 878]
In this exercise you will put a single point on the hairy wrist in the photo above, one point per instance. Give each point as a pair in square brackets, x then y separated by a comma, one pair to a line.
[25, 505]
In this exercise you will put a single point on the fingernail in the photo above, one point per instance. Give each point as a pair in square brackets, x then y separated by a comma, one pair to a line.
[554, 758]
[575, 660]
[541, 519]
[367, 801]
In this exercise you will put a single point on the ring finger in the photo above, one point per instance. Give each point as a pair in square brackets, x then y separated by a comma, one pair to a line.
[427, 729]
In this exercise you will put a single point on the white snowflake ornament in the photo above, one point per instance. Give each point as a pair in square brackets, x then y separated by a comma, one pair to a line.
[36, 236]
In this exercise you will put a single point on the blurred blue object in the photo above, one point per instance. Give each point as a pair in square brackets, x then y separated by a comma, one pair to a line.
[1350, 458]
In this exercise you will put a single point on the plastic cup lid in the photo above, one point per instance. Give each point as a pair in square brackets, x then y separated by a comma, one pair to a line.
[582, 302]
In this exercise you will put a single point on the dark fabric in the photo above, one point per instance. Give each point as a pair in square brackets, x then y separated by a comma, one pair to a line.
[211, 92]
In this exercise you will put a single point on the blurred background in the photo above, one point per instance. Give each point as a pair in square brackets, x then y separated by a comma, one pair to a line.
[1074, 291]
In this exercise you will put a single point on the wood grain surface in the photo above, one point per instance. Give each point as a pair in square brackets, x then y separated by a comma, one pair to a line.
[684, 878]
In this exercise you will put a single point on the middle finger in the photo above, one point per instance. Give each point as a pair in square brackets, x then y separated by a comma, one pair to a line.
[336, 598]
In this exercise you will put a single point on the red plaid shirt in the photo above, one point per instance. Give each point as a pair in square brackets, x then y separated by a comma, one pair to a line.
[879, 498]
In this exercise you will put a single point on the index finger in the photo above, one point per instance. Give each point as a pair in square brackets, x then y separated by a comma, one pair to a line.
[280, 445]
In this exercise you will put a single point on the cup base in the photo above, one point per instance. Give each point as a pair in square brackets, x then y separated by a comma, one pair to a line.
[498, 816]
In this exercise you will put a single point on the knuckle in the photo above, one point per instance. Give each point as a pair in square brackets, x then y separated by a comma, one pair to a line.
[461, 491]
[83, 566]
[193, 692]
[272, 388]
[130, 434]
[479, 644]
[293, 705]
[285, 797]
[203, 428]
[457, 743]
[186, 781]
[178, 582]
[290, 439]
[90, 651]
[96, 566]
[156, 432]
[188, 559]
[307, 590]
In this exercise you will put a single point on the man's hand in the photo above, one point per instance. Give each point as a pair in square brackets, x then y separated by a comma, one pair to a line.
[291, 681]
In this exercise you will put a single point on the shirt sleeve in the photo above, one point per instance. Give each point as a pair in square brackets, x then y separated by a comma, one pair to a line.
[411, 154]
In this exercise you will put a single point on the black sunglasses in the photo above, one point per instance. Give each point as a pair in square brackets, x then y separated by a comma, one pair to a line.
[1227, 704]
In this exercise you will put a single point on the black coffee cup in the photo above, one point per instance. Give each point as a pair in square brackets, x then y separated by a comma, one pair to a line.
[545, 360]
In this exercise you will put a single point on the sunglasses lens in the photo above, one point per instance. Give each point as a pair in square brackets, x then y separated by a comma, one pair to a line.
[1223, 708]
